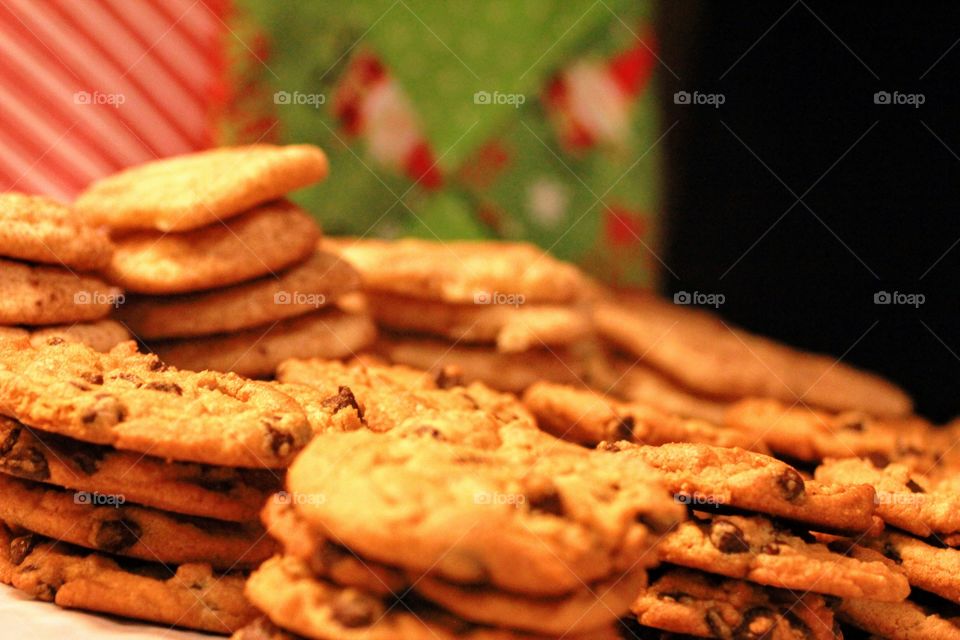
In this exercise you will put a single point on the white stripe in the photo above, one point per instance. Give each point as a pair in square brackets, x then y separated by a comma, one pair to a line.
[19, 172]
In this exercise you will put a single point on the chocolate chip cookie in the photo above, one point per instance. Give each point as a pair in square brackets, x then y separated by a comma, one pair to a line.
[193, 489]
[262, 241]
[41, 295]
[133, 402]
[698, 604]
[757, 550]
[106, 523]
[39, 229]
[720, 479]
[587, 417]
[901, 620]
[101, 335]
[197, 189]
[316, 282]
[191, 595]
[255, 353]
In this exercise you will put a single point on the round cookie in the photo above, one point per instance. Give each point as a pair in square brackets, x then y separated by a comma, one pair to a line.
[84, 519]
[191, 595]
[261, 241]
[512, 329]
[132, 401]
[255, 353]
[285, 591]
[38, 229]
[635, 382]
[462, 271]
[707, 356]
[901, 620]
[223, 493]
[198, 189]
[316, 282]
[42, 295]
[535, 521]
[101, 335]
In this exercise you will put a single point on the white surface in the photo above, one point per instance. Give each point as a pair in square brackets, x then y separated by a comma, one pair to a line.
[22, 617]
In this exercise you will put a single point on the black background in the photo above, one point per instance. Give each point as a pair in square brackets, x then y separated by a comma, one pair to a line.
[883, 180]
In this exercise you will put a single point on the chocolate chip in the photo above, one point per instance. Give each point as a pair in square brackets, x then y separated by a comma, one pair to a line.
[914, 487]
[758, 623]
[791, 484]
[843, 547]
[728, 537]
[343, 399]
[428, 431]
[11, 439]
[449, 376]
[29, 463]
[155, 364]
[891, 552]
[546, 501]
[55, 340]
[278, 442]
[165, 387]
[799, 625]
[771, 549]
[879, 460]
[129, 377]
[611, 447]
[21, 547]
[717, 624]
[354, 609]
[92, 377]
[624, 428]
[854, 425]
[116, 535]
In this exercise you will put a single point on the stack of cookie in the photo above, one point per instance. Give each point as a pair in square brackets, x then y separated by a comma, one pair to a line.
[47, 287]
[227, 273]
[507, 314]
[691, 361]
[445, 513]
[132, 488]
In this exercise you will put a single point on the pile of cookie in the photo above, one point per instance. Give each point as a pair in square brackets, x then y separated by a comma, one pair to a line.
[133, 488]
[507, 314]
[48, 282]
[227, 273]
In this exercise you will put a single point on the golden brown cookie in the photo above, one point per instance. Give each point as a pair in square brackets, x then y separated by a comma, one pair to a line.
[105, 522]
[290, 596]
[198, 189]
[461, 271]
[587, 417]
[314, 283]
[132, 401]
[42, 295]
[722, 479]
[504, 371]
[39, 229]
[757, 550]
[901, 620]
[698, 604]
[512, 328]
[636, 382]
[256, 352]
[708, 356]
[191, 595]
[101, 335]
[223, 493]
[262, 241]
